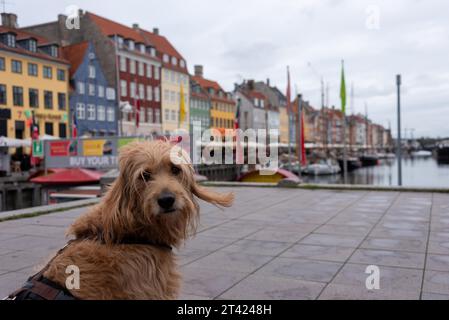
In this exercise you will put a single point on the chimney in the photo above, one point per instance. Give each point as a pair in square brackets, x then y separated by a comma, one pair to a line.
[136, 26]
[268, 81]
[251, 84]
[156, 31]
[199, 71]
[9, 20]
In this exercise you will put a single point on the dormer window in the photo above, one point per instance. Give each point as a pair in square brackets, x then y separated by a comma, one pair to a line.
[141, 48]
[54, 51]
[32, 45]
[131, 45]
[153, 52]
[120, 42]
[182, 63]
[174, 61]
[166, 58]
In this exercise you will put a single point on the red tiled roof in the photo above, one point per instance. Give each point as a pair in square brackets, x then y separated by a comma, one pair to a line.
[75, 54]
[206, 84]
[258, 95]
[21, 35]
[110, 28]
[161, 44]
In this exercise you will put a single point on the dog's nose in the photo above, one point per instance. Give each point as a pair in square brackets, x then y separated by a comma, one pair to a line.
[166, 200]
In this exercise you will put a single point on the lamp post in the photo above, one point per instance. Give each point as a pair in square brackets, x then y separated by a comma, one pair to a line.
[124, 107]
[399, 142]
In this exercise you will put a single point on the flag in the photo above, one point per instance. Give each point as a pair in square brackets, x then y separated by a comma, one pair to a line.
[237, 115]
[303, 145]
[343, 89]
[182, 107]
[34, 136]
[74, 126]
[288, 94]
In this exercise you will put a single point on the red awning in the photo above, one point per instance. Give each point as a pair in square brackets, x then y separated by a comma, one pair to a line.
[70, 176]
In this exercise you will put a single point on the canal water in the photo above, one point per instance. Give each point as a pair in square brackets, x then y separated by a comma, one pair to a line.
[416, 172]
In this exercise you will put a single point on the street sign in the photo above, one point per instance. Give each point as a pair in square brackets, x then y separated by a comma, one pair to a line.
[38, 148]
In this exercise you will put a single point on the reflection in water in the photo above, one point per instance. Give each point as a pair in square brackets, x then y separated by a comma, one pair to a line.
[416, 172]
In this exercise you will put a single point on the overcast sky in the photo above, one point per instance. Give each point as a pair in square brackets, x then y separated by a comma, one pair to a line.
[257, 39]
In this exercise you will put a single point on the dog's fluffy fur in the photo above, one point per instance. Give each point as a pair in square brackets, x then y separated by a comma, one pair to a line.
[111, 270]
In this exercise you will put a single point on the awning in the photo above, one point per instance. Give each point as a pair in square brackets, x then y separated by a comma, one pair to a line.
[14, 143]
[70, 177]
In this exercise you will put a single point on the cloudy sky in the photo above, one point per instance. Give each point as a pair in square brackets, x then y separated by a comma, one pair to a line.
[257, 39]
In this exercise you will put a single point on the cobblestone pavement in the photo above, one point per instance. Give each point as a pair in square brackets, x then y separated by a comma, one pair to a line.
[284, 244]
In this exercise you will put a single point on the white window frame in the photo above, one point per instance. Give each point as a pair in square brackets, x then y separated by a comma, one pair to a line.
[157, 94]
[141, 91]
[110, 114]
[141, 68]
[91, 112]
[132, 66]
[149, 93]
[101, 113]
[132, 90]
[158, 116]
[149, 71]
[92, 90]
[100, 91]
[80, 111]
[92, 72]
[123, 88]
[81, 87]
[157, 73]
[150, 118]
[123, 64]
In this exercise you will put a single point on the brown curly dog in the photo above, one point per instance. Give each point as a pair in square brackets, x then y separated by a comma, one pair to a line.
[123, 245]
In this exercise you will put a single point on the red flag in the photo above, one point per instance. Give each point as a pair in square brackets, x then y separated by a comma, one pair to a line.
[74, 127]
[288, 95]
[303, 145]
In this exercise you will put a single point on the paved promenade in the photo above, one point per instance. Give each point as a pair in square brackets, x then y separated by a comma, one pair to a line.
[285, 244]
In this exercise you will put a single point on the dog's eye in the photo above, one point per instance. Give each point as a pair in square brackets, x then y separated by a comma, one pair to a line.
[146, 176]
[175, 170]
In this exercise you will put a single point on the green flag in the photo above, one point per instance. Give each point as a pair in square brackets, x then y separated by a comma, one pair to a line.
[343, 89]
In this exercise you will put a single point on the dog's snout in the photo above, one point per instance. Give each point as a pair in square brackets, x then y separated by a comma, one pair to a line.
[166, 200]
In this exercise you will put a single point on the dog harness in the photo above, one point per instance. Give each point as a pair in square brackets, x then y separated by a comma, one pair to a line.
[39, 287]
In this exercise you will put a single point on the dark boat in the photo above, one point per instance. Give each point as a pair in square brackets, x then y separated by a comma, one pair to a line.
[353, 164]
[369, 160]
[443, 153]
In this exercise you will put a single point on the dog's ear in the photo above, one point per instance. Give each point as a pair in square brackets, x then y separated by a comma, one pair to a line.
[219, 199]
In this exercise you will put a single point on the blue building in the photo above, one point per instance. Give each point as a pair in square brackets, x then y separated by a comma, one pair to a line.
[92, 101]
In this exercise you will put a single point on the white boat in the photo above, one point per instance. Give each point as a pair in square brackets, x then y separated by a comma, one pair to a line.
[321, 169]
[421, 154]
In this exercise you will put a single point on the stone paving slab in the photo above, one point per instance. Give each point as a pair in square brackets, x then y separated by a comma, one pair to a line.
[284, 244]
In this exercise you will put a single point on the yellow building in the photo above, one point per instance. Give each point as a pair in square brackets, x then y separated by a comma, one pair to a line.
[222, 112]
[33, 81]
[284, 125]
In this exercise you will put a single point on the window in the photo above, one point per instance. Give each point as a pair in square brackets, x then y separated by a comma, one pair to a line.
[90, 112]
[11, 40]
[110, 93]
[156, 73]
[16, 66]
[172, 96]
[2, 64]
[132, 66]
[62, 130]
[91, 89]
[110, 114]
[153, 52]
[17, 96]
[142, 48]
[48, 100]
[132, 90]
[34, 98]
[149, 93]
[182, 64]
[141, 91]
[101, 113]
[157, 116]
[149, 71]
[123, 64]
[157, 94]
[48, 73]
[49, 128]
[3, 96]
[61, 101]
[32, 69]
[101, 91]
[123, 88]
[174, 61]
[173, 115]
[80, 111]
[150, 115]
[92, 73]
[172, 76]
[142, 115]
[166, 115]
[81, 88]
[166, 58]
[32, 45]
[61, 75]
[166, 95]
[54, 51]
[131, 45]
[141, 69]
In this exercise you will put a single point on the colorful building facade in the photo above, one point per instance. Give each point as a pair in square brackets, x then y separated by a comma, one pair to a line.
[33, 83]
[93, 103]
[199, 106]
